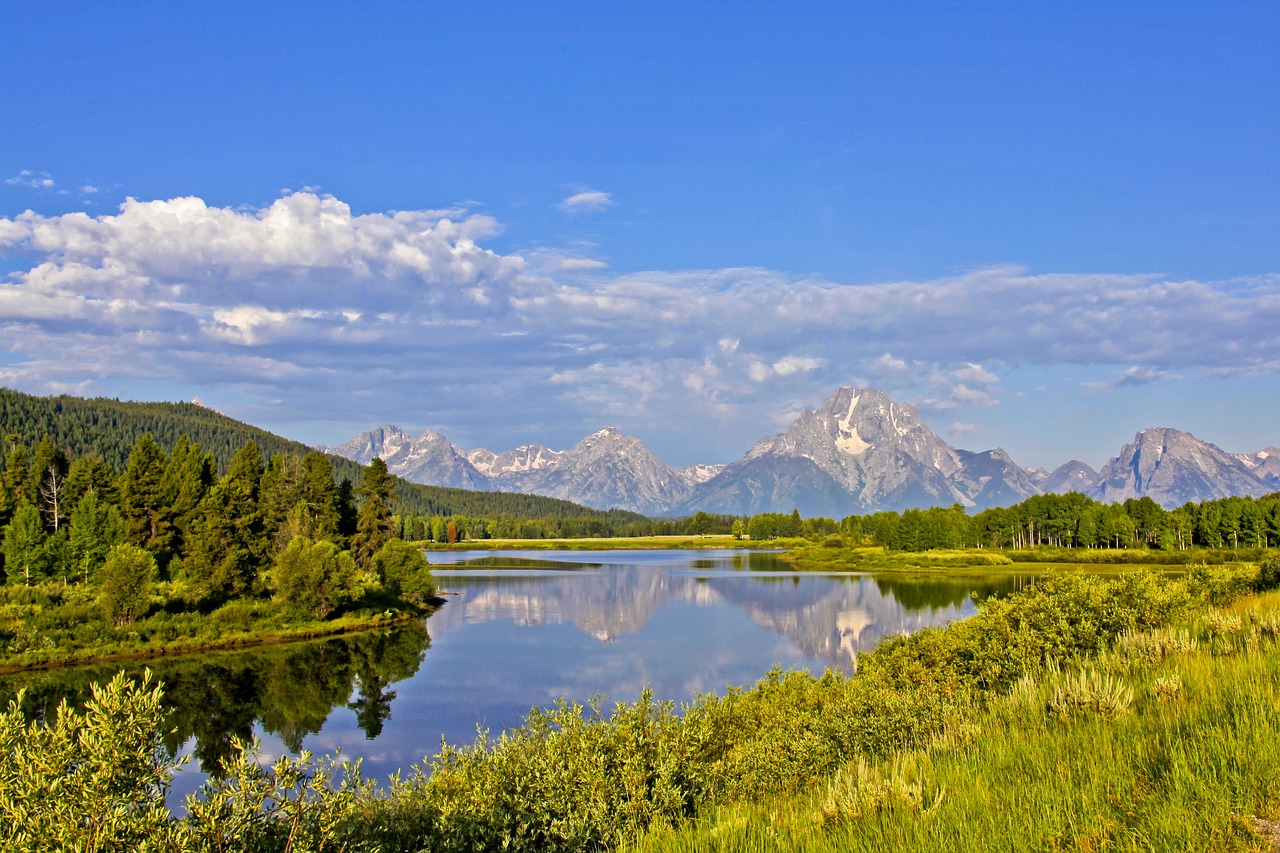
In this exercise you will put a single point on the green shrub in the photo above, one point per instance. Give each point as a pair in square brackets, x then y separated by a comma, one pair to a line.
[1221, 584]
[91, 780]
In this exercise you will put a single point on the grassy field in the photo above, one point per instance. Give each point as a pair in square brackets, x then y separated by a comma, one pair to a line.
[1167, 741]
[808, 555]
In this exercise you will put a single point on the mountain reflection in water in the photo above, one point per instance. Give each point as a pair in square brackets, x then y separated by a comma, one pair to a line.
[520, 629]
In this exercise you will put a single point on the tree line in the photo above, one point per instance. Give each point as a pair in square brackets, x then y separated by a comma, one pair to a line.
[1076, 521]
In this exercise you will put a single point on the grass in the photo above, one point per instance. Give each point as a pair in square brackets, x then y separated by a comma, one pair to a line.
[808, 555]
[1165, 742]
[880, 559]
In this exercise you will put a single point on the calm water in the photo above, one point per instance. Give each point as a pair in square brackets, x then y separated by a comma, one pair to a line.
[522, 629]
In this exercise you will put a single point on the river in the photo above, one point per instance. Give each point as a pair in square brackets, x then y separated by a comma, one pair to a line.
[524, 628]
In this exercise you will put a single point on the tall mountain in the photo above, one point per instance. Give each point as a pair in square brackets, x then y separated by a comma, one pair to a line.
[430, 458]
[1173, 467]
[1265, 465]
[513, 463]
[991, 478]
[605, 469]
[861, 452]
[1073, 476]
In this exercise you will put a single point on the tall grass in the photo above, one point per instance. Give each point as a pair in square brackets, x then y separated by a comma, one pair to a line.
[1166, 742]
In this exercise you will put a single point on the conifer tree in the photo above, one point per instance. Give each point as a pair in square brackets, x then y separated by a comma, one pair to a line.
[25, 556]
[96, 527]
[142, 497]
[14, 485]
[90, 472]
[375, 522]
[187, 479]
[229, 549]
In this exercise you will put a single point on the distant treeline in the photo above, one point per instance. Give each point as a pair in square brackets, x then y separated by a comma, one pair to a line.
[1076, 521]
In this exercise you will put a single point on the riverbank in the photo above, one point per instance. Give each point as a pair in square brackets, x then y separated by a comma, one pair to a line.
[45, 629]
[811, 556]
[1164, 741]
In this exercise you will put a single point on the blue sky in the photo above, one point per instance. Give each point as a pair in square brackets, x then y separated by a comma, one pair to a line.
[1046, 225]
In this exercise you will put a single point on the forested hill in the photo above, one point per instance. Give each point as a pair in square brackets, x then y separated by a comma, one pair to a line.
[109, 428]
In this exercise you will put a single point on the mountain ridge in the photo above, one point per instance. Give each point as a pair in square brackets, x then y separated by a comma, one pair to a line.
[859, 452]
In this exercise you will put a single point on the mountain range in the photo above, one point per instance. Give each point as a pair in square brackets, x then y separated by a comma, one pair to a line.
[861, 452]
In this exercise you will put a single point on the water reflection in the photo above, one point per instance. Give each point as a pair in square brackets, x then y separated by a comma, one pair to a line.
[289, 690]
[828, 616]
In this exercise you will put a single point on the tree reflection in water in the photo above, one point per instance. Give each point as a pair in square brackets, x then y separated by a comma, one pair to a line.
[290, 689]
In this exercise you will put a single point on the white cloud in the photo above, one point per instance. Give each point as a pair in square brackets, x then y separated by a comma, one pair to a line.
[305, 301]
[33, 180]
[567, 261]
[579, 264]
[587, 201]
[1131, 377]
[797, 364]
[974, 373]
[888, 363]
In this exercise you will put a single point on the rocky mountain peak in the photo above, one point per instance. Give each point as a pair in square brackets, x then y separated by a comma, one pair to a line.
[1172, 467]
[1073, 476]
[1265, 465]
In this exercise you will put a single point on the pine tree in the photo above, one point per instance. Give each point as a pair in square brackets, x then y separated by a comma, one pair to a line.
[96, 527]
[25, 557]
[375, 522]
[90, 472]
[299, 498]
[14, 485]
[142, 497]
[228, 550]
[187, 479]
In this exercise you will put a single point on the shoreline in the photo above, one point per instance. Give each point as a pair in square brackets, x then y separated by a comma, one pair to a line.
[234, 642]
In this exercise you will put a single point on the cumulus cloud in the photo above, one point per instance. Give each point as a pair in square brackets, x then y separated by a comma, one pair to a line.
[587, 201]
[306, 301]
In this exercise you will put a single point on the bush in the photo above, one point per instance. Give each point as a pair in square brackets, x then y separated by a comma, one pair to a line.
[403, 571]
[1221, 584]
[316, 577]
[1268, 574]
[88, 781]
